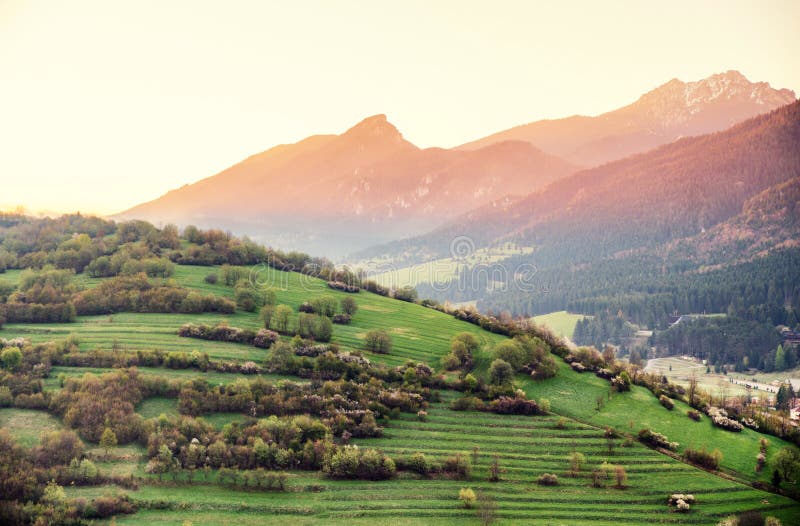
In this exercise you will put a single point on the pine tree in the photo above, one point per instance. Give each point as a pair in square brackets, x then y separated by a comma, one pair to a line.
[780, 359]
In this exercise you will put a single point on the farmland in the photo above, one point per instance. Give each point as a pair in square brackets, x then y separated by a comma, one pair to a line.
[523, 447]
[562, 323]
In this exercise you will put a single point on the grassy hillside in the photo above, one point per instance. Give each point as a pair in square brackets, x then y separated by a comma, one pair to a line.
[562, 323]
[525, 447]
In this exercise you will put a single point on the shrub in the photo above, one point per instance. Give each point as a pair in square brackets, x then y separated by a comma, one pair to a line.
[694, 415]
[666, 402]
[211, 279]
[547, 479]
[354, 463]
[656, 439]
[719, 417]
[265, 338]
[378, 341]
[344, 287]
[500, 372]
[341, 319]
[349, 306]
[6, 398]
[467, 497]
[406, 294]
[506, 405]
[703, 458]
[416, 463]
[457, 466]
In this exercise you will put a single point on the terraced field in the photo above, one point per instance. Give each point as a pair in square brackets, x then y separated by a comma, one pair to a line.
[525, 447]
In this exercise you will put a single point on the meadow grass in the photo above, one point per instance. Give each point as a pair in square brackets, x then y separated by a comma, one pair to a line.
[26, 426]
[525, 447]
[562, 323]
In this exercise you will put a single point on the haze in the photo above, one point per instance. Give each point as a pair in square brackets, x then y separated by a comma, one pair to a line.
[105, 105]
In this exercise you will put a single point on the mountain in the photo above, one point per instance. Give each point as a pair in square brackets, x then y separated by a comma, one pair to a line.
[334, 193]
[674, 191]
[671, 111]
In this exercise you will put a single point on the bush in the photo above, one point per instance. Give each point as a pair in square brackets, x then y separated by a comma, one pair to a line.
[457, 466]
[349, 306]
[265, 338]
[6, 398]
[467, 497]
[353, 463]
[666, 402]
[694, 415]
[341, 319]
[656, 439]
[211, 279]
[547, 479]
[344, 287]
[703, 458]
[406, 294]
[719, 417]
[378, 341]
[500, 372]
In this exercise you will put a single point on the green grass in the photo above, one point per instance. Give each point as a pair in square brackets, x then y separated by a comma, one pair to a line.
[440, 270]
[27, 425]
[525, 448]
[680, 371]
[213, 377]
[575, 395]
[562, 323]
[156, 406]
[418, 333]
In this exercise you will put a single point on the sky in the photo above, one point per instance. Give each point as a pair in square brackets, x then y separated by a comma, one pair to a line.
[105, 104]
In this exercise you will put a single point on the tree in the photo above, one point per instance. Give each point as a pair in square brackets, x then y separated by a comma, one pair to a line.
[621, 476]
[692, 389]
[511, 352]
[267, 312]
[467, 497]
[378, 341]
[108, 440]
[576, 462]
[500, 372]
[780, 359]
[281, 318]
[782, 398]
[324, 305]
[468, 339]
[11, 358]
[349, 305]
[787, 464]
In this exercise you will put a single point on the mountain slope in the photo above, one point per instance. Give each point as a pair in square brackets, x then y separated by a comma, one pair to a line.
[675, 191]
[671, 111]
[363, 186]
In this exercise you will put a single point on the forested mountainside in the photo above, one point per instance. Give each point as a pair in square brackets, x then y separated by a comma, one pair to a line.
[706, 224]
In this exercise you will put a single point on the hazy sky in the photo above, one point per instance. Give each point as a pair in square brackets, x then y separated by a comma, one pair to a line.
[105, 104]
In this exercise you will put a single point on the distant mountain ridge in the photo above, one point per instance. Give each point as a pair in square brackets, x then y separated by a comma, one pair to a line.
[337, 194]
[675, 191]
[673, 110]
[333, 193]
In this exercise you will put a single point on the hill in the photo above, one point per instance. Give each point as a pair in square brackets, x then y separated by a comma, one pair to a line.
[673, 110]
[248, 434]
[335, 193]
